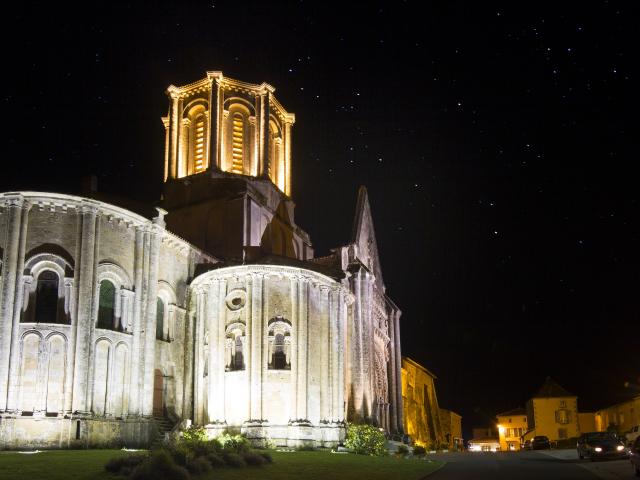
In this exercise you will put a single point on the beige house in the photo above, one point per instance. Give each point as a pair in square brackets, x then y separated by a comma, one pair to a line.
[512, 425]
[552, 412]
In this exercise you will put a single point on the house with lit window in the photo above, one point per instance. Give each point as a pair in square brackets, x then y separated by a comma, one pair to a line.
[552, 412]
[623, 416]
[512, 425]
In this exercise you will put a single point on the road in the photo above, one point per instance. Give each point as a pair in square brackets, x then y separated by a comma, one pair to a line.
[552, 465]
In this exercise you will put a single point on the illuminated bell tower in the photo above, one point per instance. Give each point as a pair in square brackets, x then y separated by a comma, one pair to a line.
[228, 169]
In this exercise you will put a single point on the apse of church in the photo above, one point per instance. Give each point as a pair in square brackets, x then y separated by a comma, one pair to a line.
[215, 311]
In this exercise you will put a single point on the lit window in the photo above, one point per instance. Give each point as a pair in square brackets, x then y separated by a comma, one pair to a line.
[237, 143]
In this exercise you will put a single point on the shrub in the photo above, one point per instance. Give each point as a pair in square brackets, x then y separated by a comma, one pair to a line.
[159, 466]
[199, 465]
[194, 434]
[234, 460]
[365, 440]
[402, 450]
[306, 448]
[124, 465]
[180, 453]
[254, 459]
[419, 450]
[234, 443]
[215, 460]
[267, 457]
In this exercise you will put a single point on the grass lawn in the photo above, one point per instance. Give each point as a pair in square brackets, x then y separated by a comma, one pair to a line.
[89, 464]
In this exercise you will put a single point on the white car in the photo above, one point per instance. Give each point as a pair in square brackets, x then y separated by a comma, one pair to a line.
[632, 434]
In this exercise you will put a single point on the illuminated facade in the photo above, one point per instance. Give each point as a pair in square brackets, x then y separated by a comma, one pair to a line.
[215, 311]
[421, 410]
[512, 425]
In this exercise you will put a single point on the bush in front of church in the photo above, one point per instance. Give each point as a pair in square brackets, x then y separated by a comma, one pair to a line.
[366, 440]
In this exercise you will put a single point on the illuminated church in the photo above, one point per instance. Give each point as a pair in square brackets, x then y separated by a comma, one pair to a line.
[214, 312]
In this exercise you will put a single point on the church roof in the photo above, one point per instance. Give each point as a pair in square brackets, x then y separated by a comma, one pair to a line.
[364, 237]
[551, 389]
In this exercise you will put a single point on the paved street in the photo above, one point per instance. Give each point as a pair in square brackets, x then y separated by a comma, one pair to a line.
[554, 465]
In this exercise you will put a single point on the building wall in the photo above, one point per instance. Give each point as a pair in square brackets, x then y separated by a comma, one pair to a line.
[451, 424]
[64, 366]
[587, 422]
[623, 416]
[556, 418]
[421, 411]
[511, 428]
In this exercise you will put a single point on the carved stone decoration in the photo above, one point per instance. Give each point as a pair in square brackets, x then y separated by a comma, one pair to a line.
[236, 299]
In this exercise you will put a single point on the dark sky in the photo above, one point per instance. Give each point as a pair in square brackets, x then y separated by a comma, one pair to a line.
[495, 142]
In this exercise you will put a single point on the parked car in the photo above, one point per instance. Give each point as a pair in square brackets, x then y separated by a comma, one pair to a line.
[633, 434]
[540, 442]
[526, 445]
[596, 445]
[635, 456]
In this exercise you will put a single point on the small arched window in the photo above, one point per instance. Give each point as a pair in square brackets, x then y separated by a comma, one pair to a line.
[47, 297]
[279, 356]
[160, 320]
[106, 305]
[238, 360]
[279, 344]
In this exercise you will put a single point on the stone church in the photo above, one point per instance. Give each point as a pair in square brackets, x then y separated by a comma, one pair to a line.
[214, 310]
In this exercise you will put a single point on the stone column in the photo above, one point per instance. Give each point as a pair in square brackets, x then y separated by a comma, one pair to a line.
[215, 126]
[215, 312]
[325, 353]
[357, 355]
[155, 237]
[263, 146]
[302, 347]
[391, 373]
[335, 352]
[84, 323]
[255, 346]
[342, 350]
[17, 211]
[287, 158]
[220, 352]
[294, 347]
[137, 323]
[174, 122]
[198, 355]
[398, 373]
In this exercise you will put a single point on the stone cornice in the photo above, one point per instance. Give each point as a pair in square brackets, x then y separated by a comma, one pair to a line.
[300, 274]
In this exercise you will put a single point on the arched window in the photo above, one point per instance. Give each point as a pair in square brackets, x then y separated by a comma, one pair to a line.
[47, 297]
[237, 143]
[279, 357]
[106, 305]
[234, 348]
[279, 344]
[160, 320]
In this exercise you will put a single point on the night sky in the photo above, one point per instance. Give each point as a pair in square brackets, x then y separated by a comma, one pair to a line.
[495, 143]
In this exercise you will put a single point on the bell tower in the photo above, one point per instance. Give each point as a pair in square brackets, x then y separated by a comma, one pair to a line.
[227, 169]
[221, 125]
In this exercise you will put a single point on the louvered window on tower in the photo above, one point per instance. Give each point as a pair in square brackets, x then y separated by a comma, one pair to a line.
[199, 145]
[237, 143]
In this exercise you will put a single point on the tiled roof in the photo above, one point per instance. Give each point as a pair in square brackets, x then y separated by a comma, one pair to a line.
[550, 389]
